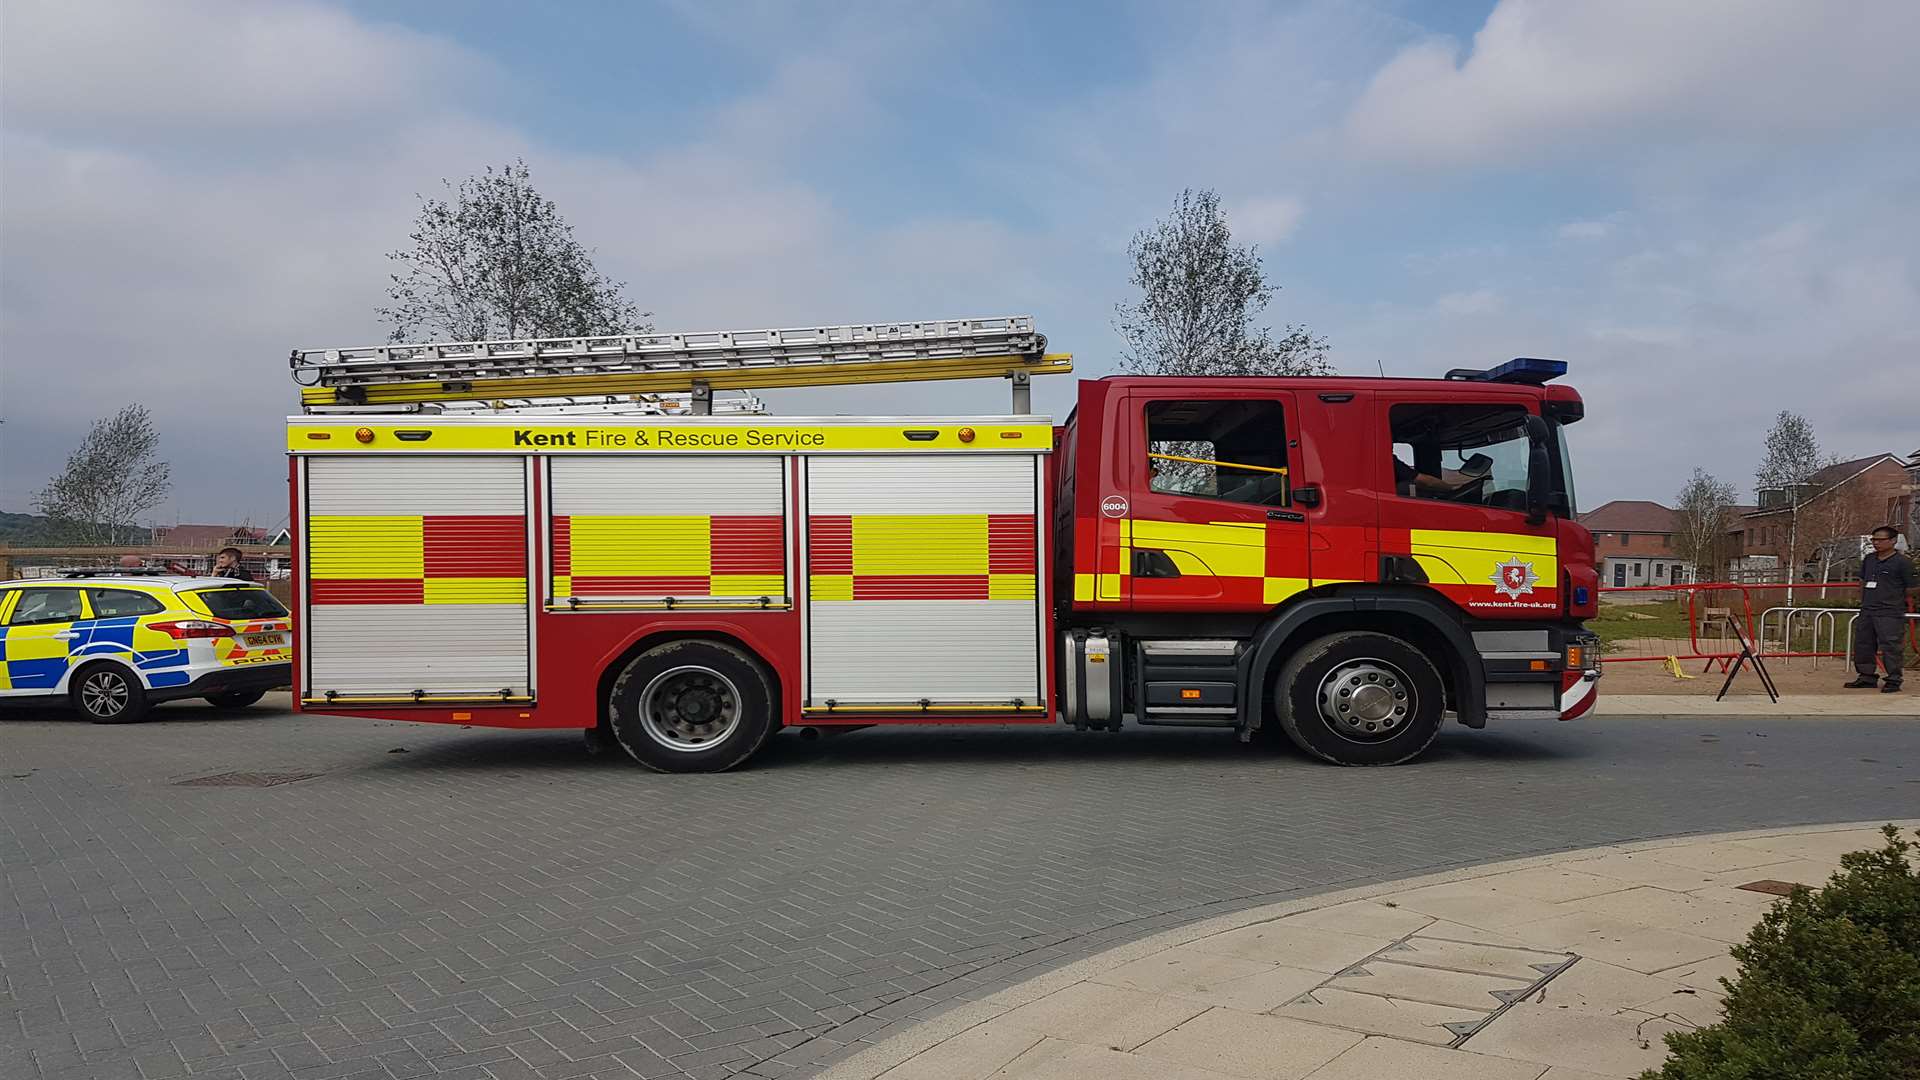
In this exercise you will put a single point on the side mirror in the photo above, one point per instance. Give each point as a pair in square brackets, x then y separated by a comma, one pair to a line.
[1539, 470]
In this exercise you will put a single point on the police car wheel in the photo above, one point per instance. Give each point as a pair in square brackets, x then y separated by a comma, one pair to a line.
[691, 706]
[1360, 699]
[108, 694]
[237, 699]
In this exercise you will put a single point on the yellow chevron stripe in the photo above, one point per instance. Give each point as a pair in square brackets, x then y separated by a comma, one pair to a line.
[1472, 558]
[1010, 587]
[664, 544]
[366, 547]
[476, 590]
[773, 585]
[920, 544]
[830, 586]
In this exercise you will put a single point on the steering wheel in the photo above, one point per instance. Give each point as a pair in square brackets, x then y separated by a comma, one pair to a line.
[1471, 491]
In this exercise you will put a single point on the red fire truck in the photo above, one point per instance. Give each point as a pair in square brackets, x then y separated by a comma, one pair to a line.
[526, 535]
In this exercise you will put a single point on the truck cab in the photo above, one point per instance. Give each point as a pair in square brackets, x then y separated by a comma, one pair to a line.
[1344, 559]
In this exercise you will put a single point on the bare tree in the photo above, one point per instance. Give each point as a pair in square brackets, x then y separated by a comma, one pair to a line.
[1834, 521]
[1784, 480]
[1200, 296]
[496, 260]
[1705, 513]
[110, 481]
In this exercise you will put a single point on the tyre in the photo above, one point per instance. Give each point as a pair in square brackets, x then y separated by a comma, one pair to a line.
[108, 694]
[1360, 699]
[691, 706]
[235, 699]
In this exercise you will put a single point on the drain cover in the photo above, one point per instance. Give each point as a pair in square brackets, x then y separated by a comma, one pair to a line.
[246, 779]
[1475, 981]
[1771, 887]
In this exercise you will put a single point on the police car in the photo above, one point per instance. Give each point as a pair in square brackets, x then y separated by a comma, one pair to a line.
[112, 644]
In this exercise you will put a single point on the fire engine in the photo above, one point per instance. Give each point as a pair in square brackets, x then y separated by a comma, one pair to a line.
[577, 533]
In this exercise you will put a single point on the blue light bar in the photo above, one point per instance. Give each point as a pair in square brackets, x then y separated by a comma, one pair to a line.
[1522, 370]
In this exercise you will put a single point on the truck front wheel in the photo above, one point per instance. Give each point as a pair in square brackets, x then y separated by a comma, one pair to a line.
[1360, 699]
[691, 706]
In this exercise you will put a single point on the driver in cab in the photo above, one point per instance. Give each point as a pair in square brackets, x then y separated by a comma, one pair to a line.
[1410, 481]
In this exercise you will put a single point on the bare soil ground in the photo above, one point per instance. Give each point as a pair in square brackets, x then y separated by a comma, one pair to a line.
[1793, 677]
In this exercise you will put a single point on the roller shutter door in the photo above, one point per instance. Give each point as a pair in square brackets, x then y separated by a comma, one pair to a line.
[416, 578]
[922, 580]
[640, 529]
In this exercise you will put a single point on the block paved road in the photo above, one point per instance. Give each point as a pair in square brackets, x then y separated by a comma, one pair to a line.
[498, 905]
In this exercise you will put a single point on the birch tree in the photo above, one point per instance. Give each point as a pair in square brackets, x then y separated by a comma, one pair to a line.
[1705, 513]
[1791, 457]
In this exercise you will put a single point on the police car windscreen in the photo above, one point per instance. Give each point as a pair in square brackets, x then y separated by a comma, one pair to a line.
[241, 603]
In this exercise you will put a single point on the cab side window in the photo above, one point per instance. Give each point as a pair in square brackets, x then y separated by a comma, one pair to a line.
[45, 606]
[1473, 454]
[120, 603]
[1232, 449]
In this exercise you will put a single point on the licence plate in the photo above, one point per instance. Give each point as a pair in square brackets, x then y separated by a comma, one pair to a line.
[261, 641]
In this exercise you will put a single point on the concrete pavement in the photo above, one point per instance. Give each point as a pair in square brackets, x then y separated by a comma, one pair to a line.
[1567, 967]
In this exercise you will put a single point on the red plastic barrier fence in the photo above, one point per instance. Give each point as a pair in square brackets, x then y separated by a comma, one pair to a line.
[1708, 606]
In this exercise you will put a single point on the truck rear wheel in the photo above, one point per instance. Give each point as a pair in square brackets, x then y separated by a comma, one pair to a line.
[1360, 699]
[691, 706]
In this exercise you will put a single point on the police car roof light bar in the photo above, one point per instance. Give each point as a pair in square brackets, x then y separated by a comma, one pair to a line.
[1520, 371]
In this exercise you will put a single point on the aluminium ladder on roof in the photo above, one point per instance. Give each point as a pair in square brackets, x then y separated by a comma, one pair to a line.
[509, 371]
[610, 405]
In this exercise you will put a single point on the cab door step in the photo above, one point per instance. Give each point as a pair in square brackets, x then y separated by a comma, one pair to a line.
[1186, 683]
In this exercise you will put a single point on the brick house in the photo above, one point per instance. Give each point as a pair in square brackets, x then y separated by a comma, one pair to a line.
[1839, 506]
[1912, 519]
[1635, 541]
[207, 537]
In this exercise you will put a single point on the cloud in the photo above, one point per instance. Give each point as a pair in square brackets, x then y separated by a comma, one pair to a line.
[1586, 230]
[152, 71]
[1543, 81]
[1476, 302]
[1265, 219]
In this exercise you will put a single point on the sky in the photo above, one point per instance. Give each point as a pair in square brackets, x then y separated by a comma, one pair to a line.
[1711, 210]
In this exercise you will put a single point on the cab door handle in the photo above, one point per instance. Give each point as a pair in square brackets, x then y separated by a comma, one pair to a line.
[1286, 515]
[66, 635]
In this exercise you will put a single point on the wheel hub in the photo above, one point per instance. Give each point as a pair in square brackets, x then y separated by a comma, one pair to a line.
[104, 694]
[689, 708]
[1366, 700]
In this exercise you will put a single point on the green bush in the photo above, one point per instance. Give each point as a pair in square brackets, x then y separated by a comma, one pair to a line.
[1829, 984]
